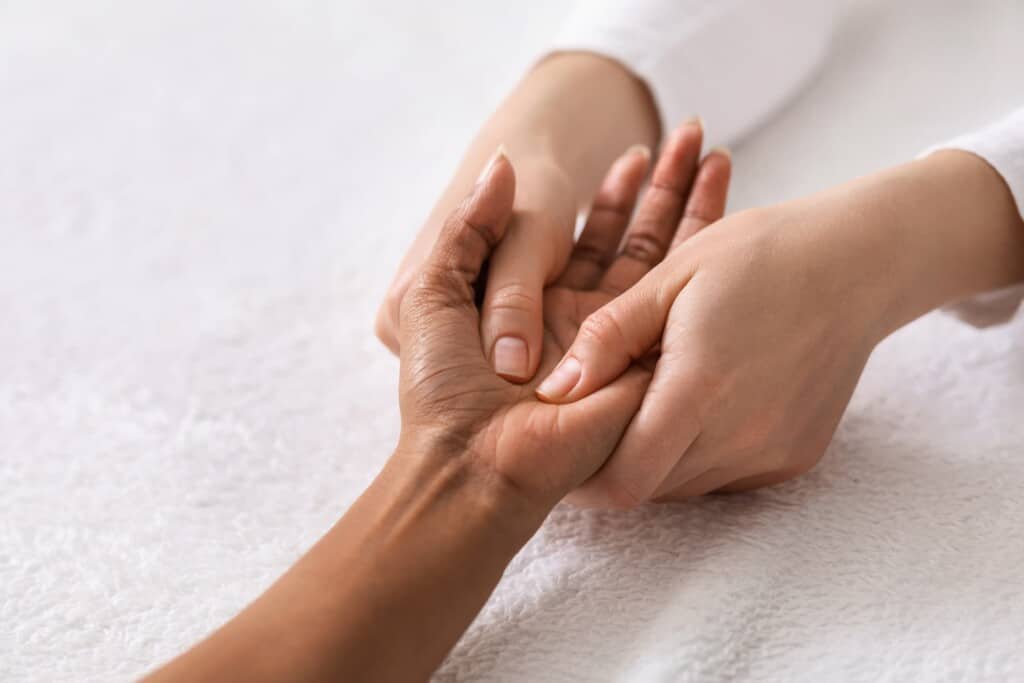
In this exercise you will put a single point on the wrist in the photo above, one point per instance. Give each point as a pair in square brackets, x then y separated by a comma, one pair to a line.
[584, 108]
[963, 233]
[411, 562]
[430, 471]
[921, 235]
[575, 111]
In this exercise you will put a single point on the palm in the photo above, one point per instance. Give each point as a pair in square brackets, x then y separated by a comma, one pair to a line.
[540, 450]
[543, 447]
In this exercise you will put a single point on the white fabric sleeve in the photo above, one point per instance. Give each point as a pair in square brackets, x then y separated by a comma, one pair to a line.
[733, 62]
[1002, 146]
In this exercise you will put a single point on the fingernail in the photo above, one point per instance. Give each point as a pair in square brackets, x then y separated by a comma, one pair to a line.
[562, 380]
[724, 151]
[489, 168]
[642, 150]
[693, 121]
[511, 358]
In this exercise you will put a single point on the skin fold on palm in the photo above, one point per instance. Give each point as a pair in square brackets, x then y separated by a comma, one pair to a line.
[450, 390]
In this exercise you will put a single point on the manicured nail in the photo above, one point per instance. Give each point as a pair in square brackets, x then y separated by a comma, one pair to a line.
[490, 164]
[724, 151]
[511, 358]
[562, 380]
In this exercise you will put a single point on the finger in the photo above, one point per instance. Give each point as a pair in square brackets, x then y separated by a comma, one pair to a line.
[468, 237]
[600, 420]
[726, 480]
[655, 444]
[708, 482]
[650, 234]
[692, 462]
[533, 253]
[706, 203]
[385, 326]
[387, 322]
[609, 215]
[612, 337]
[661, 444]
[757, 481]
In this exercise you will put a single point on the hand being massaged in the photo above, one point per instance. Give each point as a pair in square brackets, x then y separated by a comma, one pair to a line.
[764, 321]
[544, 448]
[662, 355]
[481, 461]
[750, 377]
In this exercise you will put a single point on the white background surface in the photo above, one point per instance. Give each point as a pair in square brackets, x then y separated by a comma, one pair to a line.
[200, 206]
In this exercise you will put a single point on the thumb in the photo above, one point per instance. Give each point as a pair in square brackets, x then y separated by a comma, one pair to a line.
[535, 250]
[613, 337]
[469, 235]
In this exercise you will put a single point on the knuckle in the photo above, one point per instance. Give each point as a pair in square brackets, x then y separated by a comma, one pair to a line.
[513, 296]
[462, 224]
[700, 213]
[602, 328]
[437, 287]
[615, 209]
[485, 234]
[644, 247]
[592, 253]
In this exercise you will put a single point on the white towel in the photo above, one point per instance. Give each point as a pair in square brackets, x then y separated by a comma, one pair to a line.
[200, 206]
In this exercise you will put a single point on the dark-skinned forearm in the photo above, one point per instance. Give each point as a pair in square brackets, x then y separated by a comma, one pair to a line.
[387, 592]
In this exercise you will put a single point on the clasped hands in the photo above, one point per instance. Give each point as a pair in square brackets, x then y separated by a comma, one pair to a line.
[659, 368]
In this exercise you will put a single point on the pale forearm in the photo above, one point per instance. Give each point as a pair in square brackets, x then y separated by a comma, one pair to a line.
[572, 115]
[561, 126]
[964, 234]
[579, 110]
[906, 240]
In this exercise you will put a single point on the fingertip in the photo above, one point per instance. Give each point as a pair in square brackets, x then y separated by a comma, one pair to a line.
[512, 321]
[707, 201]
[687, 134]
[721, 151]
[492, 197]
[385, 329]
[557, 386]
[636, 159]
[712, 185]
[680, 155]
[387, 337]
[513, 305]
[500, 165]
[470, 234]
[694, 121]
[625, 178]
[639, 150]
[717, 162]
[510, 357]
[499, 154]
